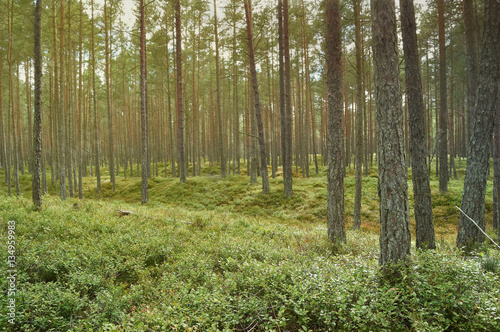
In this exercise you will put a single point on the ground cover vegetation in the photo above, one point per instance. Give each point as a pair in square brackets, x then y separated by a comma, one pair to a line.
[217, 254]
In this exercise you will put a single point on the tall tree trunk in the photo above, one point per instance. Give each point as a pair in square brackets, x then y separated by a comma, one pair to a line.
[287, 163]
[3, 145]
[37, 128]
[236, 121]
[418, 151]
[222, 149]
[258, 115]
[62, 111]
[443, 107]
[80, 141]
[392, 172]
[180, 112]
[144, 110]
[111, 143]
[94, 100]
[284, 145]
[496, 168]
[12, 106]
[359, 115]
[335, 204]
[472, 62]
[480, 143]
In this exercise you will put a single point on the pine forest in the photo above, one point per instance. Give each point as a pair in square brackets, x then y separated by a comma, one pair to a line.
[250, 165]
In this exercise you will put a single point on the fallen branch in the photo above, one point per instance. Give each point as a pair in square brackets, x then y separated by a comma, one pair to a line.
[478, 227]
[124, 213]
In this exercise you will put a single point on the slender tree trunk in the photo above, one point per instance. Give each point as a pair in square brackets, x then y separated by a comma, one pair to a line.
[478, 155]
[443, 107]
[111, 143]
[37, 128]
[12, 106]
[359, 116]
[180, 112]
[335, 204]
[80, 141]
[144, 110]
[3, 145]
[420, 177]
[62, 111]
[258, 115]
[284, 145]
[94, 99]
[287, 163]
[222, 149]
[393, 186]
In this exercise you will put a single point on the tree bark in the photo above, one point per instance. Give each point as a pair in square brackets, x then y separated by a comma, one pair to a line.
[472, 62]
[258, 115]
[111, 143]
[478, 155]
[37, 121]
[144, 110]
[335, 204]
[287, 163]
[443, 107]
[180, 112]
[393, 187]
[359, 116]
[418, 151]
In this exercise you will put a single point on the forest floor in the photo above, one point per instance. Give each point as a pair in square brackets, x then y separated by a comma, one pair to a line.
[216, 254]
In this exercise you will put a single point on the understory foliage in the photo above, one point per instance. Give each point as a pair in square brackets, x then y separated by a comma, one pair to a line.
[166, 268]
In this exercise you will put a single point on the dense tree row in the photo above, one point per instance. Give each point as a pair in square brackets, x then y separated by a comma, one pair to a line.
[194, 87]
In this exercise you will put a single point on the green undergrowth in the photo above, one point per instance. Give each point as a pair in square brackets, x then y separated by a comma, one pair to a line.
[172, 268]
[236, 194]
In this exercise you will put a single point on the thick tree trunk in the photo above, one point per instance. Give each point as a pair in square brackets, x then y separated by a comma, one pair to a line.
[37, 123]
[335, 204]
[472, 62]
[480, 143]
[418, 150]
[393, 187]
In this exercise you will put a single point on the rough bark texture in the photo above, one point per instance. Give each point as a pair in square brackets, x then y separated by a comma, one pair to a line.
[472, 62]
[180, 112]
[258, 115]
[418, 149]
[37, 123]
[359, 116]
[392, 172]
[496, 168]
[287, 162]
[144, 112]
[335, 204]
[443, 107]
[480, 143]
